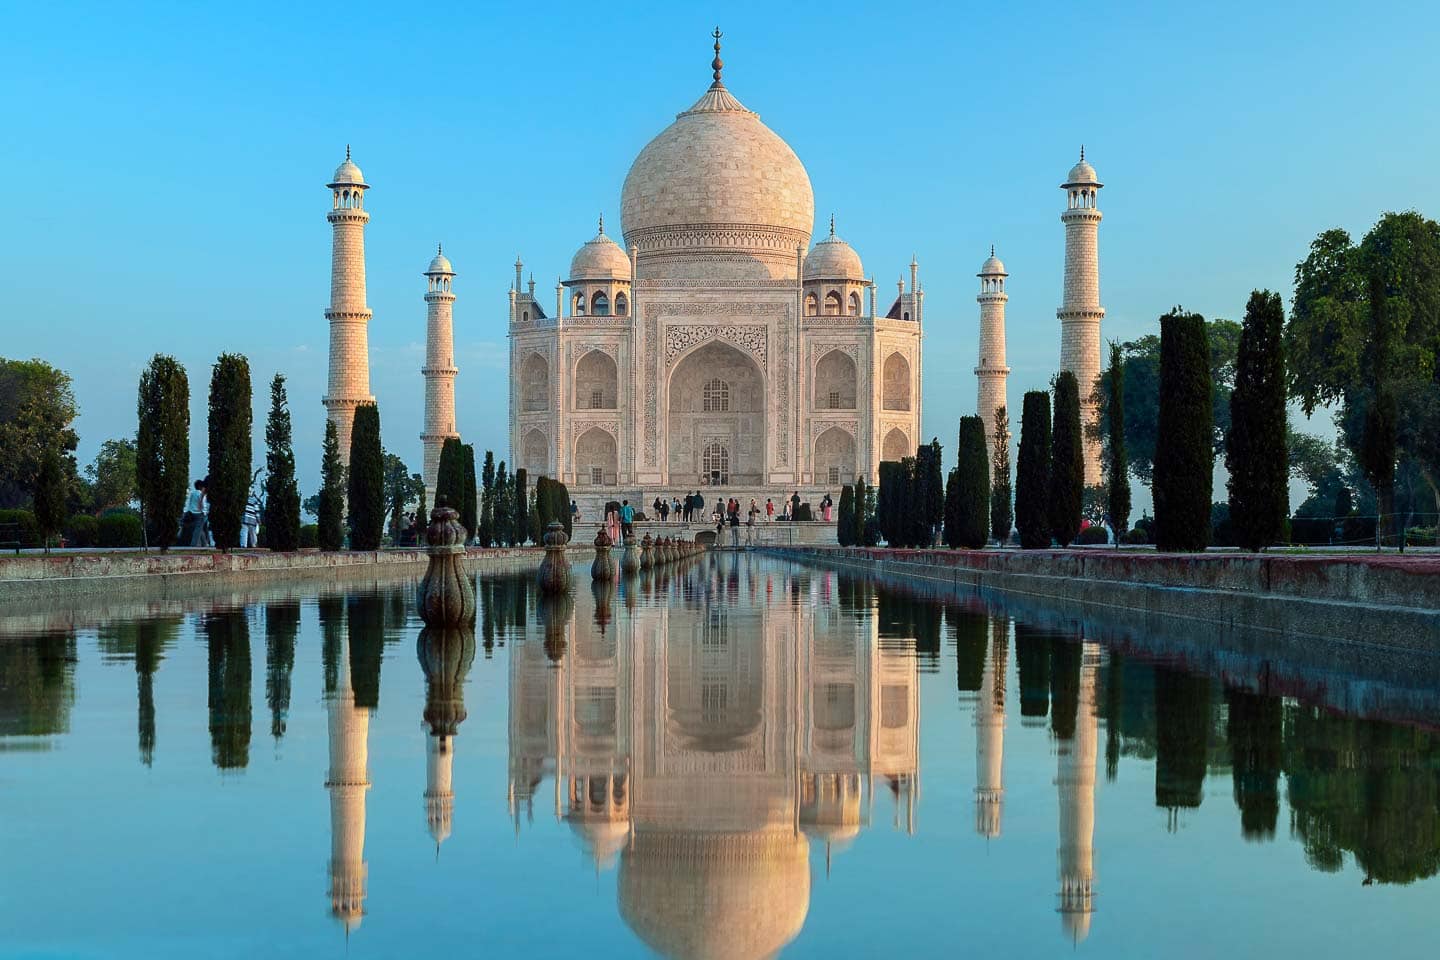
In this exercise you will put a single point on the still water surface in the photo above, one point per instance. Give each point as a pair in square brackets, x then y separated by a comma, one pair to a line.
[735, 758]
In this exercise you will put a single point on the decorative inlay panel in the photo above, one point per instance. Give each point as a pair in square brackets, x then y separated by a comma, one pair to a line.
[679, 338]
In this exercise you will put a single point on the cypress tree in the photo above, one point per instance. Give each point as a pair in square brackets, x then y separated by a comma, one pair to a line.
[450, 474]
[1067, 467]
[1185, 456]
[845, 519]
[909, 504]
[864, 510]
[229, 472]
[522, 506]
[885, 512]
[1255, 448]
[951, 534]
[1002, 512]
[503, 514]
[331, 535]
[1118, 480]
[467, 507]
[48, 497]
[365, 484]
[973, 481]
[486, 536]
[282, 496]
[930, 482]
[162, 448]
[1032, 471]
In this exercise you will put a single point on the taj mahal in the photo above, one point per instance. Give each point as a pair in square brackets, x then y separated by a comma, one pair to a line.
[712, 344]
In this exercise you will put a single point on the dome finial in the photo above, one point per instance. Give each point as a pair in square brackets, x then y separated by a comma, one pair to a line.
[717, 64]
[347, 151]
[602, 224]
[832, 224]
[439, 249]
[1082, 153]
[992, 249]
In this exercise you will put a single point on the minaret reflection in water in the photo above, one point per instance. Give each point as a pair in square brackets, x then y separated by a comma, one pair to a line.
[700, 735]
[349, 776]
[445, 655]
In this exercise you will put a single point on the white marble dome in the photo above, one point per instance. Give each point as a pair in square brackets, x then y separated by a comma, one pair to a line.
[1082, 174]
[347, 173]
[440, 264]
[600, 259]
[993, 266]
[834, 259]
[717, 180]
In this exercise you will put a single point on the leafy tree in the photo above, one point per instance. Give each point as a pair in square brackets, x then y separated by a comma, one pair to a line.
[1255, 449]
[365, 482]
[502, 514]
[929, 507]
[845, 519]
[950, 534]
[1067, 465]
[450, 475]
[552, 503]
[37, 408]
[112, 475]
[1185, 461]
[888, 507]
[282, 495]
[522, 506]
[1118, 463]
[49, 497]
[402, 488]
[162, 448]
[467, 505]
[1032, 473]
[972, 518]
[1141, 398]
[331, 508]
[230, 427]
[1002, 511]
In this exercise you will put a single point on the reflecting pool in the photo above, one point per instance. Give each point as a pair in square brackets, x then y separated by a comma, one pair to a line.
[733, 758]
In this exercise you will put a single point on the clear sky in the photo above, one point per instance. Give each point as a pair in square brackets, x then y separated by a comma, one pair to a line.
[165, 167]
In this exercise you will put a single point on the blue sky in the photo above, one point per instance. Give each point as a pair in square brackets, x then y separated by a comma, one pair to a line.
[165, 167]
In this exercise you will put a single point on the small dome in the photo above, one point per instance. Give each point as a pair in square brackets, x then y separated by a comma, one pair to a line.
[600, 259]
[992, 267]
[347, 173]
[440, 264]
[833, 259]
[1082, 174]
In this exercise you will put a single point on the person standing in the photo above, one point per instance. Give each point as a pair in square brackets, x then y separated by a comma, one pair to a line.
[250, 539]
[627, 520]
[192, 523]
[574, 514]
[612, 523]
[825, 507]
[769, 510]
[699, 508]
[795, 505]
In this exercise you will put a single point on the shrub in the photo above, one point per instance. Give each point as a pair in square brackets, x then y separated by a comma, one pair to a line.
[309, 535]
[28, 533]
[82, 530]
[1223, 532]
[845, 519]
[119, 530]
[802, 513]
[1135, 537]
[1092, 535]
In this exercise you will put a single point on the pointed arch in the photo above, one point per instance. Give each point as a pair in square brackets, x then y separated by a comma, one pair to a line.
[895, 383]
[597, 382]
[896, 446]
[596, 459]
[836, 379]
[534, 383]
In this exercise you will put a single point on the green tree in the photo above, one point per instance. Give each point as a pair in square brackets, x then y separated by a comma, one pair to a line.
[1117, 481]
[887, 501]
[929, 493]
[365, 481]
[1032, 472]
[330, 512]
[37, 408]
[486, 534]
[48, 496]
[282, 496]
[972, 517]
[866, 530]
[1002, 511]
[1067, 466]
[162, 448]
[502, 515]
[112, 475]
[845, 519]
[450, 475]
[469, 514]
[402, 488]
[1255, 449]
[1185, 461]
[522, 506]
[230, 428]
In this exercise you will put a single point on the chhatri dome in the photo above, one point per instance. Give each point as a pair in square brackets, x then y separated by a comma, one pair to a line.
[440, 264]
[1082, 174]
[600, 259]
[717, 185]
[834, 259]
[993, 266]
[347, 173]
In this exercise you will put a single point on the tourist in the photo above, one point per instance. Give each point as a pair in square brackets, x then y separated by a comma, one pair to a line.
[192, 523]
[825, 507]
[660, 509]
[250, 539]
[574, 514]
[754, 512]
[795, 505]
[612, 523]
[675, 507]
[627, 520]
[769, 510]
[699, 508]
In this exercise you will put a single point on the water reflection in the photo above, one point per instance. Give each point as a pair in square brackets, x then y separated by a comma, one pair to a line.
[348, 713]
[445, 654]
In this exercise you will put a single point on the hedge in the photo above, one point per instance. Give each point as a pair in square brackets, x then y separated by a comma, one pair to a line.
[82, 530]
[29, 532]
[119, 530]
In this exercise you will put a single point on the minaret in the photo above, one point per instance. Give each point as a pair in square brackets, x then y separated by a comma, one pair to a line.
[990, 734]
[439, 370]
[1075, 778]
[349, 384]
[991, 370]
[1081, 313]
[347, 782]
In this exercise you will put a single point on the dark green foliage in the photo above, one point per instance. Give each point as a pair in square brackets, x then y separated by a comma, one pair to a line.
[468, 505]
[229, 466]
[1032, 473]
[1256, 453]
[282, 496]
[867, 533]
[28, 533]
[309, 536]
[81, 530]
[892, 503]
[845, 519]
[227, 638]
[1091, 536]
[504, 507]
[1067, 467]
[331, 510]
[162, 448]
[971, 632]
[119, 529]
[522, 506]
[1117, 480]
[1065, 657]
[37, 408]
[1376, 454]
[365, 481]
[450, 474]
[930, 492]
[1185, 458]
[282, 627]
[402, 488]
[1182, 734]
[552, 502]
[48, 494]
[803, 513]
[1002, 509]
[1032, 657]
[486, 534]
[950, 535]
[365, 627]
[972, 517]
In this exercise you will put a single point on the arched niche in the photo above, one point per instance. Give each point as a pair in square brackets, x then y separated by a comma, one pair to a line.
[895, 383]
[596, 459]
[597, 382]
[535, 455]
[716, 396]
[836, 380]
[896, 446]
[534, 384]
[834, 456]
